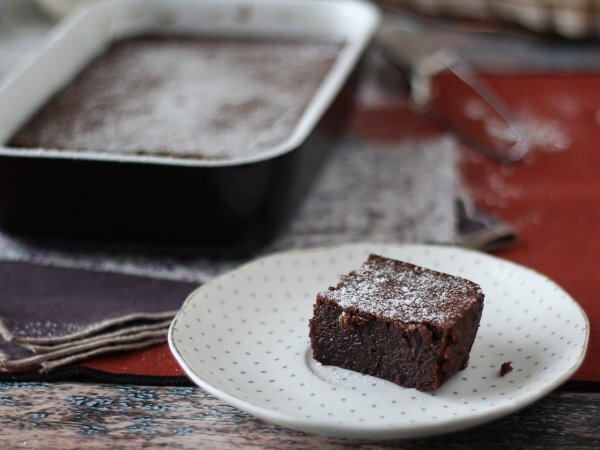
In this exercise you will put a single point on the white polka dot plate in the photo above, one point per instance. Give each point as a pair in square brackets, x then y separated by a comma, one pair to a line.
[244, 338]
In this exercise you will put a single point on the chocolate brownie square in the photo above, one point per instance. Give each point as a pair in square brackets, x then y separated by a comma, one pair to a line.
[394, 320]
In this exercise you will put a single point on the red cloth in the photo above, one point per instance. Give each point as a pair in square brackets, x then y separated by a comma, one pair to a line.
[552, 197]
[155, 361]
[556, 202]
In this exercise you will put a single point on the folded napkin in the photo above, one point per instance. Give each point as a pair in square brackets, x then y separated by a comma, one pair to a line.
[50, 316]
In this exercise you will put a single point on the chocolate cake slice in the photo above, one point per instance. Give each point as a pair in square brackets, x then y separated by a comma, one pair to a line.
[394, 320]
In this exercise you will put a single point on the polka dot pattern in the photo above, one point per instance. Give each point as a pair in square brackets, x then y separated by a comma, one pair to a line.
[244, 338]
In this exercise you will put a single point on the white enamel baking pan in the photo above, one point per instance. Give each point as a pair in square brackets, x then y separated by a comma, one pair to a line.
[232, 203]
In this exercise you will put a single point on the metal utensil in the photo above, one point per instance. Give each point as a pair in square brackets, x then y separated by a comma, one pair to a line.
[407, 48]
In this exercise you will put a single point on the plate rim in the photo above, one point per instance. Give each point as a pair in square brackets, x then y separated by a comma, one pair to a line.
[402, 430]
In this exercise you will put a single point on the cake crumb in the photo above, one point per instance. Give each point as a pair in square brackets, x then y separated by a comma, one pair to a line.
[506, 368]
[348, 321]
[344, 320]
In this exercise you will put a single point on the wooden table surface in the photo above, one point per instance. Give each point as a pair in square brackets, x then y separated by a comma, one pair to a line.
[77, 415]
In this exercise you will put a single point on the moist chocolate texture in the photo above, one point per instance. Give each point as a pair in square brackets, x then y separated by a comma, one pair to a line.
[183, 97]
[407, 324]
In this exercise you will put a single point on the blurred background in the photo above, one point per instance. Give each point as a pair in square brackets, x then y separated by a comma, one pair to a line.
[571, 25]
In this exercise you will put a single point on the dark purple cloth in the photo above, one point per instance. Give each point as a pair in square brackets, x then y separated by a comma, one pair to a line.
[40, 301]
[11, 351]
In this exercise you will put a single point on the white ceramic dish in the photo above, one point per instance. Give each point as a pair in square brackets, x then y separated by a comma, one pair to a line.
[244, 338]
[89, 30]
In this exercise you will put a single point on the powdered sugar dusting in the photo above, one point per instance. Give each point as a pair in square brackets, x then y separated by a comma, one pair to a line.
[401, 291]
[549, 135]
[184, 97]
[38, 329]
